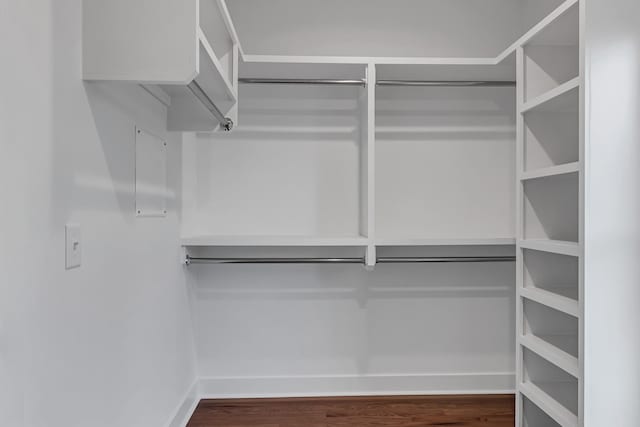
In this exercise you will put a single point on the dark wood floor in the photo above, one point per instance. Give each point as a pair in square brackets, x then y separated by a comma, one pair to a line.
[414, 411]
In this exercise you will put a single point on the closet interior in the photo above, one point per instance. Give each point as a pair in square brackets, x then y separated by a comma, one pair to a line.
[465, 174]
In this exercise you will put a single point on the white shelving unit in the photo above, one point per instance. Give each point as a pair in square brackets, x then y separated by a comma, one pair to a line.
[388, 129]
[550, 222]
[178, 44]
[390, 169]
[315, 195]
[370, 161]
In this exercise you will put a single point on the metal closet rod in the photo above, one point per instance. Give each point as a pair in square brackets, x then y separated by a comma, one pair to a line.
[225, 122]
[334, 82]
[362, 82]
[381, 260]
[449, 83]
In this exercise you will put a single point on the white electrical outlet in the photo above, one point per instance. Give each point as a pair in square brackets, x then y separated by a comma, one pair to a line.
[73, 246]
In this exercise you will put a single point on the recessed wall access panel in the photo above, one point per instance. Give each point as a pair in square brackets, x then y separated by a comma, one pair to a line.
[151, 174]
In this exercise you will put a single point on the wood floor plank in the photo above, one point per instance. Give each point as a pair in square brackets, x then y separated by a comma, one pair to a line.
[396, 411]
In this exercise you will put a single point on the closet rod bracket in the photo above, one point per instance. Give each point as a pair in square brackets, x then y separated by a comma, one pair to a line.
[226, 123]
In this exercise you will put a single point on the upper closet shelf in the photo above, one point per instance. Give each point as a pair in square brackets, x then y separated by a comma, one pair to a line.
[556, 19]
[194, 60]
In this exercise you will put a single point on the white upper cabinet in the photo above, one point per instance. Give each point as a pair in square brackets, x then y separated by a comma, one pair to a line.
[189, 48]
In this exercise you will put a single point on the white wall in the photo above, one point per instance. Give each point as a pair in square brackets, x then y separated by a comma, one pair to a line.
[291, 167]
[108, 344]
[377, 27]
[533, 11]
[612, 224]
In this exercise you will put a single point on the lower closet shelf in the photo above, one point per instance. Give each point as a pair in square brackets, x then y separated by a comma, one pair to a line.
[555, 410]
[552, 246]
[265, 240]
[552, 299]
[544, 348]
[417, 241]
[293, 240]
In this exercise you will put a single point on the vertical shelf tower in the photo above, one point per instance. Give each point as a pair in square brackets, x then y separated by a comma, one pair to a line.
[550, 222]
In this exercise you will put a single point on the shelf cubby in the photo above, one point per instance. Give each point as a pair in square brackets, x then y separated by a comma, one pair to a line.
[551, 138]
[550, 208]
[533, 416]
[550, 387]
[552, 280]
[552, 335]
[213, 25]
[551, 57]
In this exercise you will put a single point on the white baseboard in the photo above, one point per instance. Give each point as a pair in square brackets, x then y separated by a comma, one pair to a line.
[187, 407]
[339, 385]
[357, 385]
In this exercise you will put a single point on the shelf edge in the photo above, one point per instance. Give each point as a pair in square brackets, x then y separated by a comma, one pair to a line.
[551, 95]
[549, 405]
[551, 354]
[564, 169]
[552, 246]
[549, 299]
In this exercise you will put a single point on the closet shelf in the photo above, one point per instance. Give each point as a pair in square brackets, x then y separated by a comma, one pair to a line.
[221, 79]
[552, 246]
[551, 353]
[219, 240]
[563, 169]
[187, 60]
[550, 299]
[284, 240]
[409, 241]
[558, 99]
[555, 410]
[187, 112]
